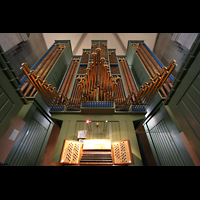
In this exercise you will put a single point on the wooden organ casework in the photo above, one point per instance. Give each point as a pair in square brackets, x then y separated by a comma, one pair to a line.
[98, 79]
[73, 154]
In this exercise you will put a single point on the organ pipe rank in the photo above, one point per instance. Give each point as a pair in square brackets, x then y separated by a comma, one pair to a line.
[97, 87]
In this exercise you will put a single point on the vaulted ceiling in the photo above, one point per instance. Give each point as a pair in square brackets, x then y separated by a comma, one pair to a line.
[118, 41]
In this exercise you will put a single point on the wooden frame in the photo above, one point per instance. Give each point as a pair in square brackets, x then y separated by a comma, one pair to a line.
[121, 152]
[71, 152]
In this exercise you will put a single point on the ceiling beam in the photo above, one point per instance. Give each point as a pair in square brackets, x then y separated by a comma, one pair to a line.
[79, 43]
[120, 42]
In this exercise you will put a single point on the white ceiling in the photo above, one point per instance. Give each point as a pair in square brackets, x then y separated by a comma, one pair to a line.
[119, 43]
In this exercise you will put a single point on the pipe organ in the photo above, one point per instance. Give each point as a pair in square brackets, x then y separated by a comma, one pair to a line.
[107, 95]
[100, 79]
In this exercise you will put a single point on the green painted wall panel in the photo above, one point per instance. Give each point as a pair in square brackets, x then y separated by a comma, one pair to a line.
[165, 142]
[31, 142]
[10, 103]
[185, 105]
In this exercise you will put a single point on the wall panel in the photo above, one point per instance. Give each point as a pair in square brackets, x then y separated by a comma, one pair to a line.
[28, 148]
[165, 142]
[185, 105]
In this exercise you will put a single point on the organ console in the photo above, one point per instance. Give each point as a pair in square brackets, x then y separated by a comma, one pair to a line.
[72, 153]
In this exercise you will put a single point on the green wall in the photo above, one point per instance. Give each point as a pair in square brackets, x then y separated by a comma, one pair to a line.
[185, 105]
[165, 142]
[11, 98]
[31, 142]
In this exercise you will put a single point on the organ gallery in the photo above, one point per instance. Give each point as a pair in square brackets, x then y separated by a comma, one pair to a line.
[90, 109]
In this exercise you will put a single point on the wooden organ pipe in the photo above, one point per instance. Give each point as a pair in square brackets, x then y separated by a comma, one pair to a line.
[57, 96]
[110, 79]
[108, 76]
[97, 84]
[27, 81]
[130, 77]
[156, 79]
[95, 93]
[154, 91]
[53, 93]
[166, 87]
[104, 96]
[84, 84]
[148, 67]
[91, 74]
[27, 73]
[112, 87]
[154, 68]
[66, 91]
[144, 91]
[88, 73]
[154, 61]
[98, 57]
[165, 76]
[79, 87]
[98, 93]
[102, 70]
[44, 72]
[115, 85]
[46, 86]
[101, 94]
[70, 76]
[153, 85]
[149, 90]
[74, 97]
[122, 68]
[150, 71]
[94, 61]
[67, 77]
[105, 72]
[39, 88]
[46, 91]
[127, 77]
[148, 87]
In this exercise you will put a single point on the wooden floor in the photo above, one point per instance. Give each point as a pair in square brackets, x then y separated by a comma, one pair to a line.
[50, 148]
